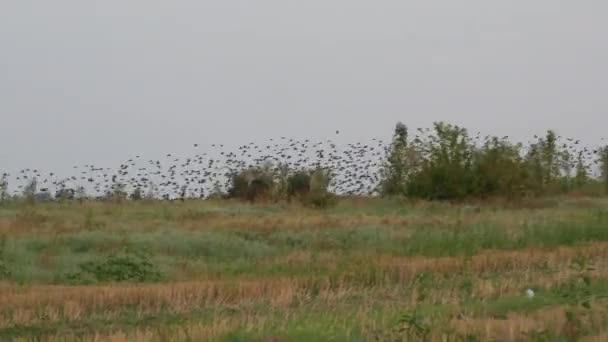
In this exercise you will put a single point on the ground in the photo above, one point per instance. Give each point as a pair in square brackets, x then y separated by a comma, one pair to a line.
[364, 270]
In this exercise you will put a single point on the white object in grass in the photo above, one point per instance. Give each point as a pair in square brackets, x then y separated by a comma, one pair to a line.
[530, 293]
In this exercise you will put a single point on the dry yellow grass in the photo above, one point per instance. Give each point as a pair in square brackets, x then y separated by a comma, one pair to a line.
[514, 327]
[56, 219]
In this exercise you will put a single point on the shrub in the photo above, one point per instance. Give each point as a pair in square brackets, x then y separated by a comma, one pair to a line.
[445, 163]
[253, 183]
[498, 170]
[29, 191]
[319, 195]
[118, 192]
[542, 164]
[65, 194]
[414, 326]
[445, 172]
[137, 194]
[298, 184]
[278, 183]
[128, 267]
[4, 188]
[581, 176]
[396, 168]
[603, 161]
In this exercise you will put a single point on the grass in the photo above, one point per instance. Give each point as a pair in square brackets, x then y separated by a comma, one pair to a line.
[237, 272]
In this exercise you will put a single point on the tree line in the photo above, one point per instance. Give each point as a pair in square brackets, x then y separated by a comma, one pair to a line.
[440, 163]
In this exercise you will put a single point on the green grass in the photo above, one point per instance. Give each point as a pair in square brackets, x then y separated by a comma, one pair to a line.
[239, 250]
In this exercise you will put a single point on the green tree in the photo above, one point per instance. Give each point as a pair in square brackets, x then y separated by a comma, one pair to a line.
[29, 191]
[253, 183]
[498, 169]
[446, 169]
[603, 161]
[137, 194]
[543, 163]
[550, 157]
[4, 187]
[581, 178]
[396, 168]
[118, 191]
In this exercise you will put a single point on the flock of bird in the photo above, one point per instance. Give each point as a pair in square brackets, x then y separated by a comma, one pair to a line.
[356, 167]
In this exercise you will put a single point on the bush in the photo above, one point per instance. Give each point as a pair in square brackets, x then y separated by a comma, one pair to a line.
[319, 195]
[498, 170]
[396, 168]
[298, 184]
[137, 194]
[445, 171]
[4, 195]
[279, 183]
[29, 191]
[252, 184]
[65, 194]
[447, 164]
[603, 161]
[129, 267]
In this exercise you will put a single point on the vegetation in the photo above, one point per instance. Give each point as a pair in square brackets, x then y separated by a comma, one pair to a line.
[448, 164]
[363, 269]
[4, 195]
[470, 239]
[604, 167]
[268, 183]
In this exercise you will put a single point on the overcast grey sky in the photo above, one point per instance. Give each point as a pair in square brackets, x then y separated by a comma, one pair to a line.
[98, 81]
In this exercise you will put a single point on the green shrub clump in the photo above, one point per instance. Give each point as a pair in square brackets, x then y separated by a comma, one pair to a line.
[446, 163]
[127, 267]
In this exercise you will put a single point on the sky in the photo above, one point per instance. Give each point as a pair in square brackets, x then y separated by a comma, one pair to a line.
[99, 81]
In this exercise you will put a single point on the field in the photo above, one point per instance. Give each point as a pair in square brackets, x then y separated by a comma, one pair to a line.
[363, 270]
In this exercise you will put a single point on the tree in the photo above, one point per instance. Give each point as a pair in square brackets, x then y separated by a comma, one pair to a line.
[543, 164]
[80, 194]
[581, 178]
[298, 184]
[118, 191]
[29, 191]
[498, 169]
[152, 191]
[396, 169]
[43, 196]
[64, 193]
[4, 187]
[445, 172]
[253, 183]
[566, 166]
[550, 157]
[137, 194]
[603, 161]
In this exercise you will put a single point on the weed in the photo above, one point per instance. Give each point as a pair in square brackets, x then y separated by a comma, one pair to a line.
[128, 267]
[414, 325]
